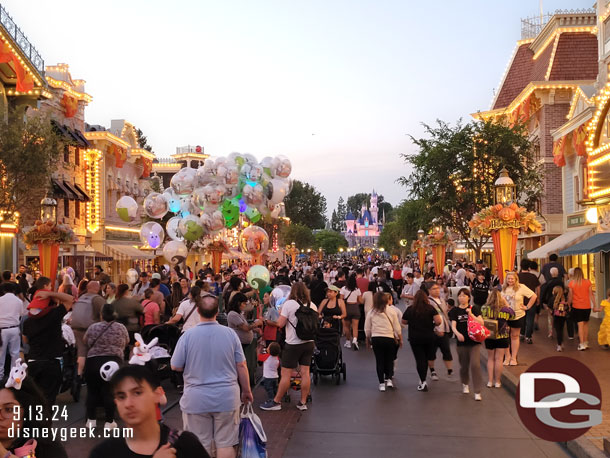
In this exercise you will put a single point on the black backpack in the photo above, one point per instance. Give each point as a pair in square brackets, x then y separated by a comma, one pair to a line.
[308, 322]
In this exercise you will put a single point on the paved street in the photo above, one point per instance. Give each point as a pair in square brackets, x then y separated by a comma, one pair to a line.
[356, 420]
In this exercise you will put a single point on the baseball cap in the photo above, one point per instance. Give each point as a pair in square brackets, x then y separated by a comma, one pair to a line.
[156, 275]
[333, 288]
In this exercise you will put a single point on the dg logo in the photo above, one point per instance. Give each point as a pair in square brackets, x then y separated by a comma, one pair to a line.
[559, 399]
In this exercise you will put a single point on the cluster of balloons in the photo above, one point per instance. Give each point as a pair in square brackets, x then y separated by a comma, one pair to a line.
[212, 197]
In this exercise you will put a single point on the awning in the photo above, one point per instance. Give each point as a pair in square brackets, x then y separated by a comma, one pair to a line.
[86, 198]
[77, 195]
[595, 244]
[131, 252]
[73, 136]
[61, 191]
[559, 243]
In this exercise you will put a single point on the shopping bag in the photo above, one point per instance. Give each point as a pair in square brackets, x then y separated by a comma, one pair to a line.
[252, 437]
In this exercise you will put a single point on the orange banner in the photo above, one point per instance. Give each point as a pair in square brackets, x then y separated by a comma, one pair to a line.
[558, 150]
[146, 167]
[25, 82]
[49, 256]
[70, 105]
[579, 137]
[438, 256]
[421, 254]
[505, 249]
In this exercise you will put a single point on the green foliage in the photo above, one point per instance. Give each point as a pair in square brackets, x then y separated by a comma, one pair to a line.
[355, 202]
[456, 166]
[29, 152]
[329, 241]
[409, 217]
[335, 222]
[143, 141]
[306, 206]
[300, 234]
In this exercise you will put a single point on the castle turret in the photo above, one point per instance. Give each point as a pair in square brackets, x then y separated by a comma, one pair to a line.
[374, 210]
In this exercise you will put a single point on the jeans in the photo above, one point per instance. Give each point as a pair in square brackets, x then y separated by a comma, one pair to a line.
[470, 364]
[98, 390]
[11, 343]
[530, 315]
[423, 351]
[270, 385]
[385, 350]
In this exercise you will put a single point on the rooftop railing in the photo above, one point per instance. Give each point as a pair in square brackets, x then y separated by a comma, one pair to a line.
[532, 26]
[19, 37]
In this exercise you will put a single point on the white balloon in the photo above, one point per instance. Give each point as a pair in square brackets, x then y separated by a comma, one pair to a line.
[152, 234]
[175, 252]
[184, 181]
[127, 208]
[156, 205]
[172, 229]
[132, 276]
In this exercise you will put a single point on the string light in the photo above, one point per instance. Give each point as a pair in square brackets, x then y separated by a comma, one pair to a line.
[57, 84]
[123, 229]
[92, 160]
[17, 52]
[559, 31]
[552, 59]
[105, 135]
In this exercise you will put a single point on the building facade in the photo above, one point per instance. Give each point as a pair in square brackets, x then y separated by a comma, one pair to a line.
[363, 231]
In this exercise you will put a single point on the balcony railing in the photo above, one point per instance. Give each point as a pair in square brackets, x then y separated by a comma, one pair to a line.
[532, 26]
[24, 44]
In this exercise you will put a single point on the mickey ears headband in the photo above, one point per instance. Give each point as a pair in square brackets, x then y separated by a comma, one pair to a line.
[17, 375]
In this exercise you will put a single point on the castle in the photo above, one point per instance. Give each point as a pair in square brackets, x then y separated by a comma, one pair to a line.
[364, 231]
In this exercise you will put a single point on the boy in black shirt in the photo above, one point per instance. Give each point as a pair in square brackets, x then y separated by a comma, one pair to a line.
[480, 290]
[136, 393]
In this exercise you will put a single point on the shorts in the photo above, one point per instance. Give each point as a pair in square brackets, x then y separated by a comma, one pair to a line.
[299, 354]
[218, 428]
[81, 348]
[492, 344]
[516, 323]
[443, 343]
[353, 311]
[580, 315]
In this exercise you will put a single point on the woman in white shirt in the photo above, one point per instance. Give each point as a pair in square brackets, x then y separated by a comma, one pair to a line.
[514, 293]
[383, 333]
[353, 297]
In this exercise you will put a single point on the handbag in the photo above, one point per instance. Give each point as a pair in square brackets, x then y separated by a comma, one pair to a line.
[252, 437]
[476, 331]
[492, 326]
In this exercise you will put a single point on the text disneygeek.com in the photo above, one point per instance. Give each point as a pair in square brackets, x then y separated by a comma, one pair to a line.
[65, 433]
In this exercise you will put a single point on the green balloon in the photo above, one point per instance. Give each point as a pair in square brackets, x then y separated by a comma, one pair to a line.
[230, 212]
[253, 214]
[123, 214]
[193, 231]
[258, 277]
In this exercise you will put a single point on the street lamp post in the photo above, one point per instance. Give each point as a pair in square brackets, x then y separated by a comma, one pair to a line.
[504, 189]
[48, 209]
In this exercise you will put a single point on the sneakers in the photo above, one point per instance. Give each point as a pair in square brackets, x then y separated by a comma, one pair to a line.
[489, 384]
[347, 344]
[529, 340]
[423, 386]
[302, 407]
[112, 425]
[355, 344]
[389, 384]
[91, 424]
[581, 347]
[587, 345]
[465, 389]
[498, 385]
[477, 397]
[382, 387]
[434, 376]
[559, 348]
[571, 338]
[271, 405]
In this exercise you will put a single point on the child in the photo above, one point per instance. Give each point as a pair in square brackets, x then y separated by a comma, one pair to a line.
[603, 336]
[270, 366]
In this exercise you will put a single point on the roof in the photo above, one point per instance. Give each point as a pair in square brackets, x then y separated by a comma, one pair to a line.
[349, 217]
[366, 215]
[559, 243]
[572, 57]
[595, 244]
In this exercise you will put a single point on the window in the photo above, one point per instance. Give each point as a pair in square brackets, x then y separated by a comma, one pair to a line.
[77, 156]
[366, 233]
[66, 208]
[77, 209]
[66, 154]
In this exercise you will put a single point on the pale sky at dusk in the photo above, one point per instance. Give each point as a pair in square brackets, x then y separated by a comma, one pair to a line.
[263, 76]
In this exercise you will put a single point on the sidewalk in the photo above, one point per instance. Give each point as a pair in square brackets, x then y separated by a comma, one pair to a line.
[596, 358]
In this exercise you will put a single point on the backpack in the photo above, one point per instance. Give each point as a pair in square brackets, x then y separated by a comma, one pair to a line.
[308, 322]
[82, 312]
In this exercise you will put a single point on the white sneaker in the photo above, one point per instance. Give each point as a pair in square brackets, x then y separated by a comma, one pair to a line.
[465, 389]
[112, 425]
[587, 345]
[389, 384]
[382, 387]
[581, 347]
[348, 344]
[489, 384]
[355, 345]
[91, 424]
[498, 385]
[559, 348]
[434, 376]
[477, 397]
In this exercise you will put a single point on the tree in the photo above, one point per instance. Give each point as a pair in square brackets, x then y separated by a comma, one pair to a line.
[305, 205]
[385, 210]
[143, 141]
[329, 241]
[341, 209]
[409, 217]
[300, 234]
[355, 202]
[455, 169]
[335, 222]
[29, 152]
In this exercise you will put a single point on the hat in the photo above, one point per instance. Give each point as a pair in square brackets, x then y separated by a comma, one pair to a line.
[333, 288]
[156, 275]
[479, 261]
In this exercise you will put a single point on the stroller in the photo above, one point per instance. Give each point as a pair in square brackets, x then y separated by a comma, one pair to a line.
[69, 362]
[328, 358]
[168, 336]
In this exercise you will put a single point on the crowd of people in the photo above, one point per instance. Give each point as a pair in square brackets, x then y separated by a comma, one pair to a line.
[103, 322]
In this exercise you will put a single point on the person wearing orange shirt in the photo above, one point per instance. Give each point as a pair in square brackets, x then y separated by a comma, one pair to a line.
[580, 298]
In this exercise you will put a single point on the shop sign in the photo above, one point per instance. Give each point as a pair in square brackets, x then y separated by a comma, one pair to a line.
[577, 220]
[121, 236]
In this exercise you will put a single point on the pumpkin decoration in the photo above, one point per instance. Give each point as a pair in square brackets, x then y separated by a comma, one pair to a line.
[506, 214]
[495, 216]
